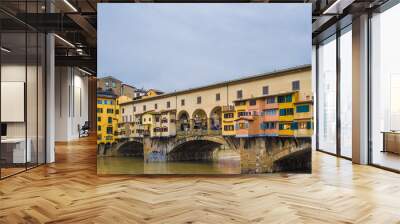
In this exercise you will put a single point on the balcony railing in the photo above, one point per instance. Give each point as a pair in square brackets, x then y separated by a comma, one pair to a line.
[198, 132]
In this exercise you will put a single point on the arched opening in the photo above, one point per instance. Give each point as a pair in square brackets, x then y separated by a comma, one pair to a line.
[295, 162]
[131, 149]
[183, 121]
[199, 120]
[194, 150]
[216, 118]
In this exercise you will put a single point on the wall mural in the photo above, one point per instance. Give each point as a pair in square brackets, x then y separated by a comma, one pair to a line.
[246, 124]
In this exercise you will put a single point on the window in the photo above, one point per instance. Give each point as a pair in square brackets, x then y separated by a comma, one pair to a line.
[285, 126]
[99, 102]
[240, 103]
[304, 125]
[229, 128]
[117, 111]
[111, 101]
[285, 99]
[217, 97]
[130, 118]
[113, 85]
[182, 102]
[265, 90]
[385, 87]
[327, 95]
[109, 120]
[107, 84]
[346, 92]
[105, 101]
[98, 118]
[99, 110]
[294, 126]
[243, 113]
[286, 112]
[268, 125]
[134, 109]
[270, 99]
[296, 85]
[155, 106]
[302, 108]
[252, 102]
[239, 94]
[228, 115]
[99, 128]
[110, 111]
[144, 107]
[168, 104]
[149, 119]
[270, 112]
[244, 125]
[109, 130]
[157, 119]
[199, 100]
[123, 110]
[309, 125]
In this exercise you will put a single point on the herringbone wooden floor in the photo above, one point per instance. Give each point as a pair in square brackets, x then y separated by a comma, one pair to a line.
[69, 191]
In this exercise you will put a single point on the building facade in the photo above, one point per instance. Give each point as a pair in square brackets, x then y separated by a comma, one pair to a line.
[107, 117]
[270, 104]
[110, 83]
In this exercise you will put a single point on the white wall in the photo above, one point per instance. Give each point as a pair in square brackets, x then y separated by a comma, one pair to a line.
[71, 102]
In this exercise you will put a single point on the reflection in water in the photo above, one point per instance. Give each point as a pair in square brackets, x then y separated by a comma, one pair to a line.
[136, 165]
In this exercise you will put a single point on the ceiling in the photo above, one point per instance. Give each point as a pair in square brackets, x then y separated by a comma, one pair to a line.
[75, 21]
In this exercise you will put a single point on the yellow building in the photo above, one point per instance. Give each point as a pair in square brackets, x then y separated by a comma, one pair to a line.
[152, 93]
[107, 120]
[286, 113]
[303, 118]
[228, 120]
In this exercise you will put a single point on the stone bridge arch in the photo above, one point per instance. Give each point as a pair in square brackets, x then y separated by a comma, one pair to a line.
[198, 148]
[131, 147]
[295, 155]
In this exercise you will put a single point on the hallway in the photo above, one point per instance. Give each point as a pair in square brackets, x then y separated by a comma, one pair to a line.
[69, 191]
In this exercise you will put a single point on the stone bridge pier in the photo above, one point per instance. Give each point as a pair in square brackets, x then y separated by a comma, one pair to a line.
[273, 154]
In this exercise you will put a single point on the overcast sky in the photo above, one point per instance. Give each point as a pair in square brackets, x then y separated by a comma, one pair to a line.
[177, 46]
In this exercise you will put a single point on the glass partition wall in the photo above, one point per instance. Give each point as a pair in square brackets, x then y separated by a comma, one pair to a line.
[385, 89]
[334, 90]
[22, 107]
[345, 65]
[327, 95]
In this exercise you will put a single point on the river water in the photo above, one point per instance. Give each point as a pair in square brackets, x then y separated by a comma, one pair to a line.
[136, 165]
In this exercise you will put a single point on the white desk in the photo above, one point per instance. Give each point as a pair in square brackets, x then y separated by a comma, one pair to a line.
[18, 149]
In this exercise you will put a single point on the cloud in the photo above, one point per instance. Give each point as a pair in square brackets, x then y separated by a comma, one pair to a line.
[178, 46]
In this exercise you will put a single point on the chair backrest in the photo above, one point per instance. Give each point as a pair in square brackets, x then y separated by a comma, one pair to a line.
[86, 124]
